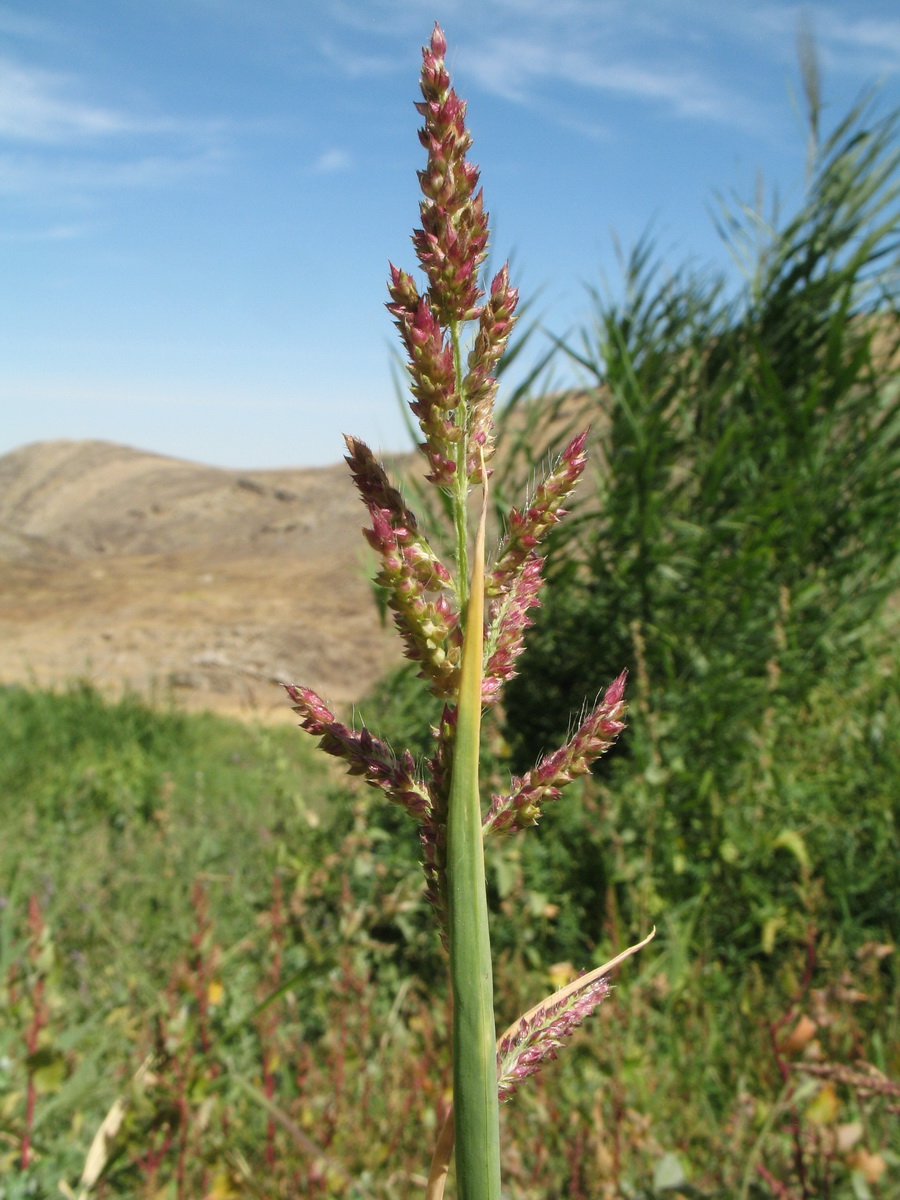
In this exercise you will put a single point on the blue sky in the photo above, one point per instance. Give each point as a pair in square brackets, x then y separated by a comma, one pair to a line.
[199, 198]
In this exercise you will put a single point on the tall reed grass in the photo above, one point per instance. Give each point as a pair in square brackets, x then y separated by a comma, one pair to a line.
[463, 625]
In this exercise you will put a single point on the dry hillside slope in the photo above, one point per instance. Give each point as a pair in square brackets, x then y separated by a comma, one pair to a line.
[132, 569]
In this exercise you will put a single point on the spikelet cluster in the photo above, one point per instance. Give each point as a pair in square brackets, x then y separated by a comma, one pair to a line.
[521, 806]
[536, 1038]
[364, 754]
[453, 405]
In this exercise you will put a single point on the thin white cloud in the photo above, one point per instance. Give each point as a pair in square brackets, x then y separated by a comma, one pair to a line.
[884, 35]
[574, 9]
[55, 141]
[332, 161]
[863, 45]
[50, 233]
[81, 175]
[390, 17]
[859, 45]
[37, 106]
[356, 64]
[659, 52]
[520, 70]
[690, 59]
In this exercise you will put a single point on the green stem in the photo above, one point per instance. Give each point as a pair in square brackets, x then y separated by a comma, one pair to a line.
[475, 1102]
[461, 482]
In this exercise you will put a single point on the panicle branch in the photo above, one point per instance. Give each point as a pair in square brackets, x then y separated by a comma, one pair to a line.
[508, 621]
[515, 581]
[527, 527]
[522, 806]
[364, 754]
[409, 569]
[429, 628]
[495, 325]
[432, 375]
[378, 494]
[540, 1033]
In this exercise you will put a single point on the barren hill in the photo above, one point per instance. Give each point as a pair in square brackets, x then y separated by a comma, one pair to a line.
[132, 569]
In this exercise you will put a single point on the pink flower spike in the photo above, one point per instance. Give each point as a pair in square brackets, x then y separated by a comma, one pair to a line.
[451, 244]
[522, 806]
[364, 754]
[534, 1039]
[529, 526]
[438, 42]
[509, 621]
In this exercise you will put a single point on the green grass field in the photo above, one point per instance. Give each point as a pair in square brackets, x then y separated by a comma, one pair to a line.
[181, 871]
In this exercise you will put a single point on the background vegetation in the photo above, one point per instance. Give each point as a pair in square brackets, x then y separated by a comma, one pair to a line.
[741, 538]
[218, 947]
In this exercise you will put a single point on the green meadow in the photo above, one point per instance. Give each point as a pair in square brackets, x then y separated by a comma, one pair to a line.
[210, 899]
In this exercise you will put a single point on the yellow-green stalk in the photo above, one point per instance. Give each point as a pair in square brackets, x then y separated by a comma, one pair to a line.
[476, 1106]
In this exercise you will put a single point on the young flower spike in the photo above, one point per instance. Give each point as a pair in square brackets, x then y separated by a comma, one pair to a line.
[364, 754]
[409, 569]
[537, 1037]
[454, 412]
[530, 1042]
[595, 735]
[527, 528]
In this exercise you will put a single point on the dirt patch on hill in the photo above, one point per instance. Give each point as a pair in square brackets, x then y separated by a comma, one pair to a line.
[175, 579]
